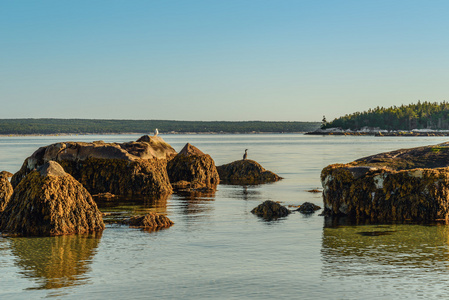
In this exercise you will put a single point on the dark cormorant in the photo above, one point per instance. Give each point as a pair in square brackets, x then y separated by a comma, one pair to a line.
[245, 155]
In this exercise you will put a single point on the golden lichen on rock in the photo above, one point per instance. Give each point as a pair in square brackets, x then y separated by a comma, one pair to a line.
[245, 172]
[6, 189]
[133, 168]
[192, 169]
[388, 186]
[47, 202]
[150, 221]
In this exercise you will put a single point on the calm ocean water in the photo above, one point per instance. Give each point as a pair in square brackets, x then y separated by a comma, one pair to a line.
[218, 250]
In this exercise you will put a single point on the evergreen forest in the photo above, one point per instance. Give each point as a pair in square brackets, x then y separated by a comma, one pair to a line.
[422, 115]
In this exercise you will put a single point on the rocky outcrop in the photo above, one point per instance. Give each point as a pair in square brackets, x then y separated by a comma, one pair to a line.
[5, 189]
[245, 172]
[150, 221]
[271, 210]
[192, 169]
[407, 184]
[308, 208]
[134, 168]
[48, 202]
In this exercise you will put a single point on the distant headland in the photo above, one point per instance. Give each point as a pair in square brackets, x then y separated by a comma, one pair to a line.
[102, 126]
[421, 119]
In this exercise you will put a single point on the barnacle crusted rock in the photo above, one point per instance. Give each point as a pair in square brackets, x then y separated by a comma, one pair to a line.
[406, 184]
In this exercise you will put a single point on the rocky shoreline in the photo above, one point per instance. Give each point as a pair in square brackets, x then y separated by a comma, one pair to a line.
[379, 132]
[51, 193]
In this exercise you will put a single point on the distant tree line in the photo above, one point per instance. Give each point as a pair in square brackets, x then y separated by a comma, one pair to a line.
[423, 115]
[80, 126]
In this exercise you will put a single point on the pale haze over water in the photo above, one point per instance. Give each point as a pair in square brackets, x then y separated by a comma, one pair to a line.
[218, 250]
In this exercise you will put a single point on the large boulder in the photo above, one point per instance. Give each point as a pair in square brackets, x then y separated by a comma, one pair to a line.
[407, 184]
[192, 169]
[6, 189]
[245, 172]
[134, 168]
[48, 202]
[270, 210]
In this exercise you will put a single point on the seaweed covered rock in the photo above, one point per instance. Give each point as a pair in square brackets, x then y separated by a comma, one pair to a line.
[48, 202]
[407, 184]
[245, 172]
[270, 210]
[6, 189]
[192, 169]
[150, 221]
[308, 208]
[133, 168]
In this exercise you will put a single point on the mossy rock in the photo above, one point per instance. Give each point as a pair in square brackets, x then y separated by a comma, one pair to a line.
[245, 172]
[192, 169]
[50, 202]
[407, 184]
[6, 191]
[134, 168]
[270, 210]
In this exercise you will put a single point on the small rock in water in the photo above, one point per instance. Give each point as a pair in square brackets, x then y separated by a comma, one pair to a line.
[271, 210]
[308, 208]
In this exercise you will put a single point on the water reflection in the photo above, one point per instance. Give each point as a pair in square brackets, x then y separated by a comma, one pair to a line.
[55, 262]
[120, 207]
[384, 250]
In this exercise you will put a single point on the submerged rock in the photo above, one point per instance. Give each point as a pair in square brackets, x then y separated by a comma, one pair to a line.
[308, 208]
[50, 202]
[134, 168]
[245, 172]
[271, 210]
[6, 189]
[192, 169]
[150, 221]
[406, 184]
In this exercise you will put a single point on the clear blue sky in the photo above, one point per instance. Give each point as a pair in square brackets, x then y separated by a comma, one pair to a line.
[219, 60]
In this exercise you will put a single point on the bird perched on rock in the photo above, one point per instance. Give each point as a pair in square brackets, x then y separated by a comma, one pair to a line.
[156, 132]
[246, 154]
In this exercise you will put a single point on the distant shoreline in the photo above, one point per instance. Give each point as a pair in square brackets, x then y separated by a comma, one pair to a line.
[376, 132]
[140, 133]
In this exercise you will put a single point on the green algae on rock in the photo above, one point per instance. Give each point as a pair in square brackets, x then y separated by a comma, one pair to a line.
[245, 172]
[407, 184]
[192, 169]
[48, 202]
[133, 168]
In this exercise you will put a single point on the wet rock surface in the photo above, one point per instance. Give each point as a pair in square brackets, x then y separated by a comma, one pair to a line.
[308, 208]
[6, 189]
[50, 202]
[407, 184]
[271, 210]
[245, 172]
[192, 169]
[150, 221]
[117, 168]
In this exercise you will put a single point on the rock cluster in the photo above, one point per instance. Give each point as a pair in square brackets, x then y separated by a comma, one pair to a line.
[245, 172]
[407, 184]
[192, 169]
[134, 168]
[270, 210]
[48, 202]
